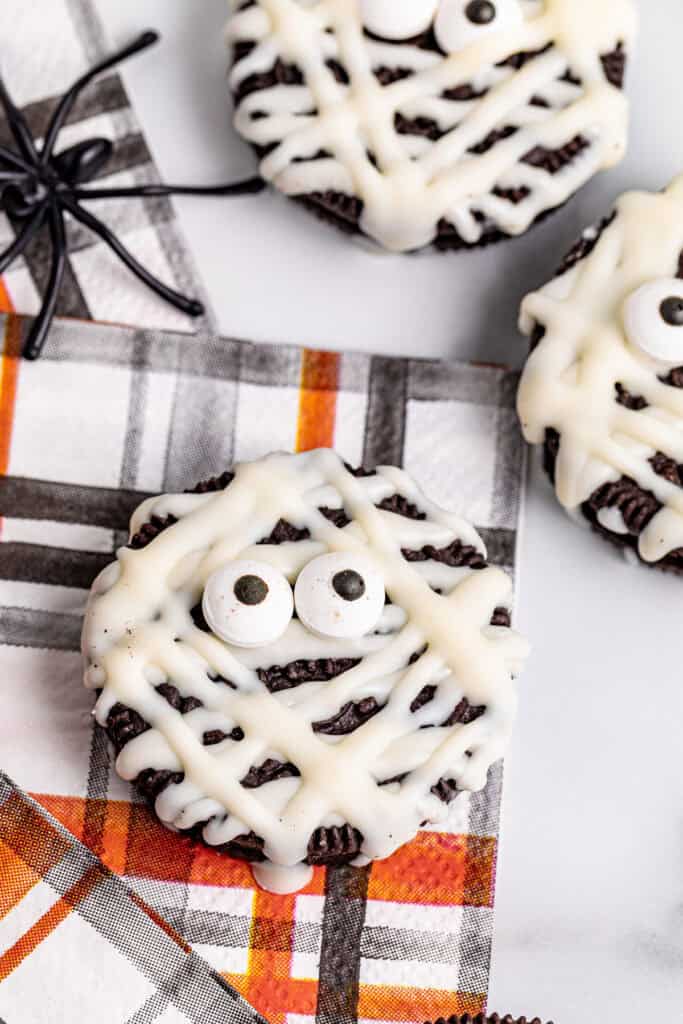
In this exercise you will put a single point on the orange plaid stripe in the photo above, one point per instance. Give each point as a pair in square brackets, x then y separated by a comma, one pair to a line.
[134, 843]
[387, 1002]
[50, 920]
[317, 400]
[6, 304]
[375, 1002]
[448, 870]
[435, 869]
[299, 995]
[10, 351]
[270, 955]
[18, 878]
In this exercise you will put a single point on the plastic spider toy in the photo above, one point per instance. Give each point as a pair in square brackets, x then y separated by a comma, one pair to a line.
[39, 185]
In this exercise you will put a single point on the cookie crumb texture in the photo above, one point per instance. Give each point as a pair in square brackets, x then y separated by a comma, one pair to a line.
[430, 123]
[602, 390]
[311, 749]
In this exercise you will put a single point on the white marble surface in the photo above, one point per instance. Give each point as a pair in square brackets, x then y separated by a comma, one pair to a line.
[589, 920]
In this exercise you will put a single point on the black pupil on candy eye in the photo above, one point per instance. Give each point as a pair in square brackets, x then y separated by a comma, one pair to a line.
[250, 590]
[672, 310]
[349, 584]
[481, 12]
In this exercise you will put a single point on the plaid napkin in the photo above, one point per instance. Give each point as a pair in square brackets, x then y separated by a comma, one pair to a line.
[105, 915]
[108, 415]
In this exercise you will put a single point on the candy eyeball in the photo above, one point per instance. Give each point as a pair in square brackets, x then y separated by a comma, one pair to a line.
[653, 318]
[461, 22]
[339, 595]
[397, 19]
[248, 603]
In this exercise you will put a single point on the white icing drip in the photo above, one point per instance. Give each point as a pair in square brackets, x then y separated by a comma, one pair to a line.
[281, 880]
[408, 184]
[569, 380]
[138, 631]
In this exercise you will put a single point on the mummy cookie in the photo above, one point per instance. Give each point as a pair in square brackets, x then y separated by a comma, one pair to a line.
[603, 388]
[302, 664]
[453, 122]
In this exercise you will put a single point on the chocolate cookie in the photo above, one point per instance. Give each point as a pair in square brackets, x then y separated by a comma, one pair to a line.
[494, 1018]
[602, 390]
[446, 122]
[300, 663]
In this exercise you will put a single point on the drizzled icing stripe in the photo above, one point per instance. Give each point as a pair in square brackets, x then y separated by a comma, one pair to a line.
[570, 380]
[139, 633]
[325, 134]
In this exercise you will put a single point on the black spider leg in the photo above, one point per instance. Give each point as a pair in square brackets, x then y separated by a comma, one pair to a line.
[30, 228]
[145, 40]
[41, 325]
[190, 306]
[240, 188]
[20, 166]
[142, 42]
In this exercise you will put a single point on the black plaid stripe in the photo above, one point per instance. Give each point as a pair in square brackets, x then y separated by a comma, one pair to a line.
[475, 950]
[29, 627]
[406, 944]
[106, 96]
[385, 422]
[510, 456]
[207, 927]
[201, 441]
[180, 978]
[389, 382]
[40, 563]
[346, 892]
[25, 498]
[137, 403]
[434, 380]
[484, 806]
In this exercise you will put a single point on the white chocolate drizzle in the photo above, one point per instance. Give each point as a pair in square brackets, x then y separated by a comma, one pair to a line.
[139, 632]
[409, 183]
[569, 383]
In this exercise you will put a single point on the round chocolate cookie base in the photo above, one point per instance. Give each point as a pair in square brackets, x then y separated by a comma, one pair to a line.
[344, 211]
[636, 505]
[337, 209]
[332, 846]
[481, 1018]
